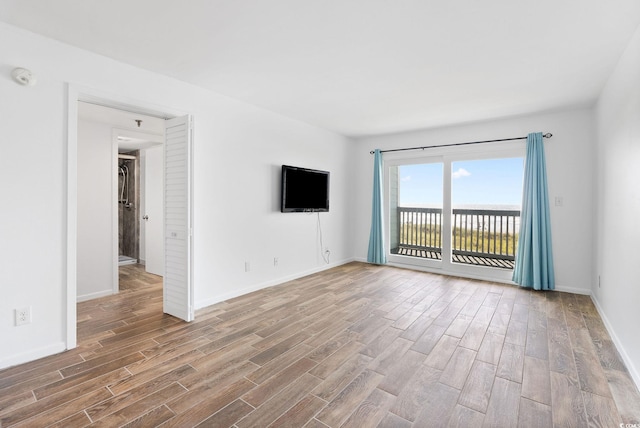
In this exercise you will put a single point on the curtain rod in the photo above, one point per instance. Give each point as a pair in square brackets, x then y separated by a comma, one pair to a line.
[547, 135]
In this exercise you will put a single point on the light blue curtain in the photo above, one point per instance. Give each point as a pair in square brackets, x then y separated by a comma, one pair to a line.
[534, 258]
[376, 252]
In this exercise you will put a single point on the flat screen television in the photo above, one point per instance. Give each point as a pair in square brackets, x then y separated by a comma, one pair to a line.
[304, 190]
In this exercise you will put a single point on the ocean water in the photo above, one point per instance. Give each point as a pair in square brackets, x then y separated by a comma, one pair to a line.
[470, 206]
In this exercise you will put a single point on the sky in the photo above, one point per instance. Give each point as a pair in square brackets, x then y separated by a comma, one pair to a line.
[477, 182]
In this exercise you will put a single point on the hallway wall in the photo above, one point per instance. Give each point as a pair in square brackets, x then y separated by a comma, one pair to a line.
[95, 237]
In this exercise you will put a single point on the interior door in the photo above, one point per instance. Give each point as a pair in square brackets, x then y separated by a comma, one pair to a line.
[153, 216]
[178, 293]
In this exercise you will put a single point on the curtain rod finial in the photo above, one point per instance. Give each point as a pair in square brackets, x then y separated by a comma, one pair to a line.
[548, 135]
[372, 151]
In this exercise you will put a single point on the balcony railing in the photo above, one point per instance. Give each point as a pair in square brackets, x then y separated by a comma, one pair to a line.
[483, 237]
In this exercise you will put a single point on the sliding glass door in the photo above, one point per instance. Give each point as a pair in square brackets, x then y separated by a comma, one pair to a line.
[459, 212]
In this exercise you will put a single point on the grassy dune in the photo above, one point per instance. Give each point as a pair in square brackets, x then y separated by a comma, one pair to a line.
[465, 240]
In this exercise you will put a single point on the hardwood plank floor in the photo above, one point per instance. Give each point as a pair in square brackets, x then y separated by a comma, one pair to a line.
[354, 346]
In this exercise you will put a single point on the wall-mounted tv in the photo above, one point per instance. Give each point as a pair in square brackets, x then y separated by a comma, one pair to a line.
[304, 190]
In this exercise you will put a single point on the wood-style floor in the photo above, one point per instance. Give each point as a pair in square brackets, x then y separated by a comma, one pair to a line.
[354, 346]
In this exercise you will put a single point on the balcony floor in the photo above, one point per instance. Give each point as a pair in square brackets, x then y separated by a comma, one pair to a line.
[467, 260]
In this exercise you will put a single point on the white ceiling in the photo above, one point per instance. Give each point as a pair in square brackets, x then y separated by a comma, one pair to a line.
[359, 67]
[130, 135]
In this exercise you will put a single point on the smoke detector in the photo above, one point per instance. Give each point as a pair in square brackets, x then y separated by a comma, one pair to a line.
[23, 76]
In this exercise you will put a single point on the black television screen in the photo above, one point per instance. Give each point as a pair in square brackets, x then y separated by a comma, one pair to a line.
[304, 190]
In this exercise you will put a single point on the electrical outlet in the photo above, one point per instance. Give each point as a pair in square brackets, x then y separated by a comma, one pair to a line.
[23, 316]
[275, 261]
[247, 266]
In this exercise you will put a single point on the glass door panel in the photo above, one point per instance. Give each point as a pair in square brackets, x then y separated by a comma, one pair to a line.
[415, 211]
[486, 197]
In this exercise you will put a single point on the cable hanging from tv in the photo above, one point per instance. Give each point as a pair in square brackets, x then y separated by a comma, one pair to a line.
[547, 135]
[325, 252]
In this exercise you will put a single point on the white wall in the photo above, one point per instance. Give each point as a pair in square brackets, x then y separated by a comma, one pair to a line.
[238, 150]
[95, 210]
[32, 212]
[618, 202]
[237, 194]
[570, 159]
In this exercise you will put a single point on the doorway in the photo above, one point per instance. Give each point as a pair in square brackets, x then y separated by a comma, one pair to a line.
[139, 195]
[113, 197]
[129, 201]
[75, 95]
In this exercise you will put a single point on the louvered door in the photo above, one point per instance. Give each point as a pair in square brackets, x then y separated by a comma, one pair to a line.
[178, 293]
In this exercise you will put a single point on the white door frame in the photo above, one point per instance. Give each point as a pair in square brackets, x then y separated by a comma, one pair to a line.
[77, 93]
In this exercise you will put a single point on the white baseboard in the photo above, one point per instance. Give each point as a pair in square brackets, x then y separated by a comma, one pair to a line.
[85, 297]
[221, 298]
[573, 290]
[32, 354]
[633, 370]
